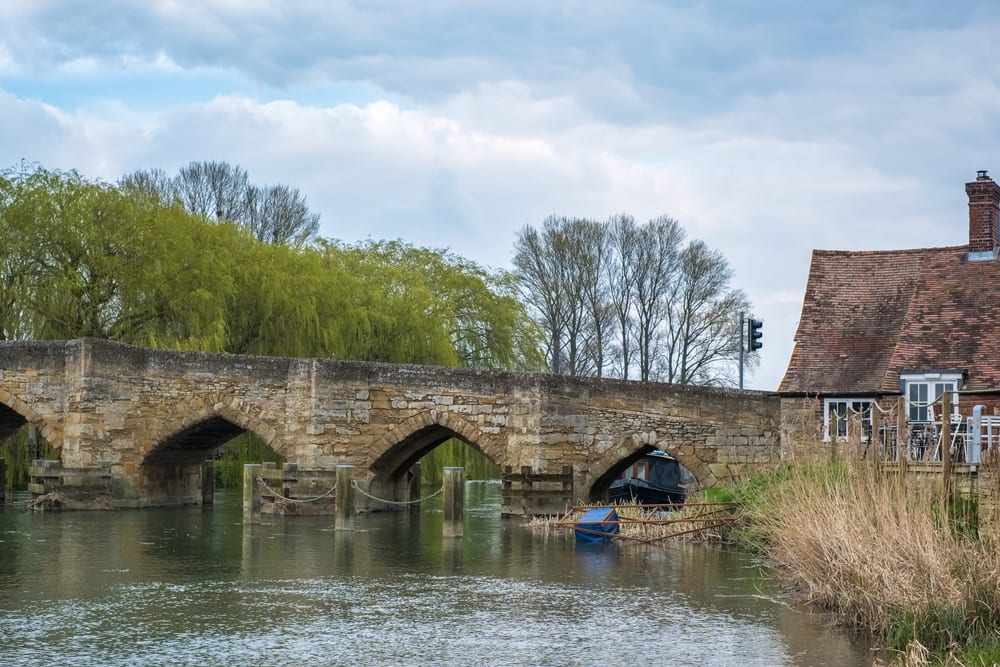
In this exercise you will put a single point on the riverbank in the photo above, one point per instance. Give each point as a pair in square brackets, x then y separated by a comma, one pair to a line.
[903, 565]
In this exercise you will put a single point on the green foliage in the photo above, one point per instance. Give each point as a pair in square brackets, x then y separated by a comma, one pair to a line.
[81, 258]
[454, 453]
[721, 495]
[430, 307]
[243, 449]
[17, 452]
[85, 260]
[980, 652]
[963, 517]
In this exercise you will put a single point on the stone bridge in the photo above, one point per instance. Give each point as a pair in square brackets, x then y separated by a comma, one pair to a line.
[149, 418]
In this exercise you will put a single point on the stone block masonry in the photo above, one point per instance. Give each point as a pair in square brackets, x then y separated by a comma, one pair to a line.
[151, 417]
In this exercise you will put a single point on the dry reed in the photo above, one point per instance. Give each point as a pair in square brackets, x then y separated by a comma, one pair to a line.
[695, 521]
[884, 558]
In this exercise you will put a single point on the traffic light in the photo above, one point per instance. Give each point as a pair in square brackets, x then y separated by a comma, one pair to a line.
[754, 334]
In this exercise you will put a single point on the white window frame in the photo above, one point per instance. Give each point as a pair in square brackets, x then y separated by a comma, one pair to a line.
[843, 407]
[919, 389]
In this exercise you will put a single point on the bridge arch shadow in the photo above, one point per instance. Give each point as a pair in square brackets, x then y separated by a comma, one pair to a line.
[173, 467]
[614, 468]
[391, 461]
[15, 413]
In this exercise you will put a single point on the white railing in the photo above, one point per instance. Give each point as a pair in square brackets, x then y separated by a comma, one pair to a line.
[988, 436]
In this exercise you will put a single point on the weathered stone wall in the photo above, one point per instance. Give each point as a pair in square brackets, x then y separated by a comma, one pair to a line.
[802, 429]
[151, 416]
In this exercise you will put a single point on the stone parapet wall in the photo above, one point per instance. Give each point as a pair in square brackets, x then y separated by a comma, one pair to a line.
[151, 416]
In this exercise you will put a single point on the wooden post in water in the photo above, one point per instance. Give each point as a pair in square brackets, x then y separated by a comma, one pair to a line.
[251, 493]
[289, 475]
[344, 497]
[454, 501]
[207, 483]
[414, 490]
[946, 408]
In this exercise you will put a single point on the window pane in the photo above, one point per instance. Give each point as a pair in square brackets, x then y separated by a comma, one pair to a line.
[841, 409]
[918, 401]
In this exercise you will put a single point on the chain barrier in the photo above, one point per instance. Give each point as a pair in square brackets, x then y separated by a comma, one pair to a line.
[295, 500]
[395, 502]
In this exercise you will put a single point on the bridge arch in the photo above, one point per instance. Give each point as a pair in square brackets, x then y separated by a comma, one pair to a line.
[215, 422]
[630, 449]
[172, 467]
[14, 413]
[392, 458]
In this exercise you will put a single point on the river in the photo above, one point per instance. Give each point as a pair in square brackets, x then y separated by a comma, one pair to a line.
[193, 587]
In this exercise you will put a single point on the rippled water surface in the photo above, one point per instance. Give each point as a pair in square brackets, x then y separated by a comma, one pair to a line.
[193, 587]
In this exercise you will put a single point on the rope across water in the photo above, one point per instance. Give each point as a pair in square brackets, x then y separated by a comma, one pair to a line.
[296, 500]
[395, 502]
[356, 487]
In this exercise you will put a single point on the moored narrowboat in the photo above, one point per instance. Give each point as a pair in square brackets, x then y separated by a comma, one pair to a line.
[655, 479]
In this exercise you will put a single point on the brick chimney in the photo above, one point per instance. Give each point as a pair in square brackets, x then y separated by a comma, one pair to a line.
[984, 214]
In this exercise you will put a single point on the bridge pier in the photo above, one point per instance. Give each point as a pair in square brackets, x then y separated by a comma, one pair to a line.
[525, 492]
[3, 480]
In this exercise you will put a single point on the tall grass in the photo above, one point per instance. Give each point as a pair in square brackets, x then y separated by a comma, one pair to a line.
[886, 559]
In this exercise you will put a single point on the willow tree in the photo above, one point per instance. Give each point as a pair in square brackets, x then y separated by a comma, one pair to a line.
[13, 269]
[428, 306]
[92, 261]
[130, 262]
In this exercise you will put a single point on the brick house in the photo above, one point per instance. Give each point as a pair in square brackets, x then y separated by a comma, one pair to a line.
[882, 324]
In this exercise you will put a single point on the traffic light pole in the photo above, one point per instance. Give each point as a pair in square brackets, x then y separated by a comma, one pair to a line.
[753, 334]
[742, 348]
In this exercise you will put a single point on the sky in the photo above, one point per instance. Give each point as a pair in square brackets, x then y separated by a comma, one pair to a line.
[766, 128]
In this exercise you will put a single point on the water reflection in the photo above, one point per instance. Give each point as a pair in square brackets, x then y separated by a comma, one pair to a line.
[192, 586]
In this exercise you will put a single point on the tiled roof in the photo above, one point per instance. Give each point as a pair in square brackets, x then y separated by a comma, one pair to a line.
[867, 316]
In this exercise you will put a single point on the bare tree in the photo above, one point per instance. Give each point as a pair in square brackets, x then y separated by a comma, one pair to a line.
[562, 274]
[220, 191]
[623, 241]
[537, 270]
[151, 184]
[589, 253]
[656, 259]
[215, 190]
[279, 214]
[632, 294]
[701, 339]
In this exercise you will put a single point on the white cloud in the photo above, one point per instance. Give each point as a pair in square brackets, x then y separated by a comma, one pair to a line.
[454, 125]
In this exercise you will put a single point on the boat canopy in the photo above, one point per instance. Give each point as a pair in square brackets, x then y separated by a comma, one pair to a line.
[664, 471]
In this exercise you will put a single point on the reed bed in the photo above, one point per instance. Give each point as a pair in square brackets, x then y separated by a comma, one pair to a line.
[692, 522]
[886, 559]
